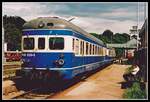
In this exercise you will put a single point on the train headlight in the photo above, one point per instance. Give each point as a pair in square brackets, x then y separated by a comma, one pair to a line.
[61, 62]
[41, 24]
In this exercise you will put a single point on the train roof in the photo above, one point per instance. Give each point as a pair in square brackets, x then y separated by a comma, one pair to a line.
[57, 23]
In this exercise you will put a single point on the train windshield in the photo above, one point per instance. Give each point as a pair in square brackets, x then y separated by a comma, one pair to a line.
[56, 43]
[28, 44]
[41, 43]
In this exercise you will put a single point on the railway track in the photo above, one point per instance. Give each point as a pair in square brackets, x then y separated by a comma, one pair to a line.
[33, 94]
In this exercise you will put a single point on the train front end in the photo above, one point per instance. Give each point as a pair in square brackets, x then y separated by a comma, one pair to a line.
[45, 51]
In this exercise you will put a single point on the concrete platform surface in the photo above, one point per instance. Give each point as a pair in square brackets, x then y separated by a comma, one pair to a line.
[104, 84]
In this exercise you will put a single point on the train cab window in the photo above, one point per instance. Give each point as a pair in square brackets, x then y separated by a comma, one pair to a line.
[41, 43]
[56, 43]
[28, 43]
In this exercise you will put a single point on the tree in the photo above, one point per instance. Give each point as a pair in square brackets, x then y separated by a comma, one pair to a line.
[12, 31]
[121, 38]
[108, 34]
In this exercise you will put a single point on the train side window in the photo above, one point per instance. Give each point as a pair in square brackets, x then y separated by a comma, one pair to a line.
[28, 43]
[93, 49]
[87, 48]
[110, 52]
[101, 51]
[90, 48]
[96, 50]
[77, 47]
[41, 43]
[83, 48]
[80, 47]
[106, 52]
[73, 44]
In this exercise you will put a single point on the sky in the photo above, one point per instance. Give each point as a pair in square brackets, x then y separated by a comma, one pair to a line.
[94, 17]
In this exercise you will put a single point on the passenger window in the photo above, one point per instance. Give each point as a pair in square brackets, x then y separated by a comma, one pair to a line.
[41, 43]
[101, 51]
[96, 50]
[93, 49]
[90, 48]
[73, 44]
[80, 47]
[83, 47]
[77, 47]
[87, 48]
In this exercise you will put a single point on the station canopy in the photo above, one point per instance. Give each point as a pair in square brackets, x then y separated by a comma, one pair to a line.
[131, 44]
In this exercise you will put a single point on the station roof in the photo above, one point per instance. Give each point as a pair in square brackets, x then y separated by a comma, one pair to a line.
[130, 44]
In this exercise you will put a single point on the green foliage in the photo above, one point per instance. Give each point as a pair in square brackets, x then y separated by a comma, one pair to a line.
[108, 37]
[12, 31]
[108, 34]
[94, 34]
[119, 52]
[135, 92]
[129, 70]
[120, 38]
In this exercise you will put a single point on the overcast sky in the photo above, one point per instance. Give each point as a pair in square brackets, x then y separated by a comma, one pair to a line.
[92, 17]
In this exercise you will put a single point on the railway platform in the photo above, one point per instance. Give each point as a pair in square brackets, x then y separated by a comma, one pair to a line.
[104, 84]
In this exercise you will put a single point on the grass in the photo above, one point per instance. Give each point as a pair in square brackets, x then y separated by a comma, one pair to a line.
[135, 92]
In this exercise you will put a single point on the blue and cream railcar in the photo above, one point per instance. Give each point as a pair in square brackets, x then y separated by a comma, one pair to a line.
[56, 47]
